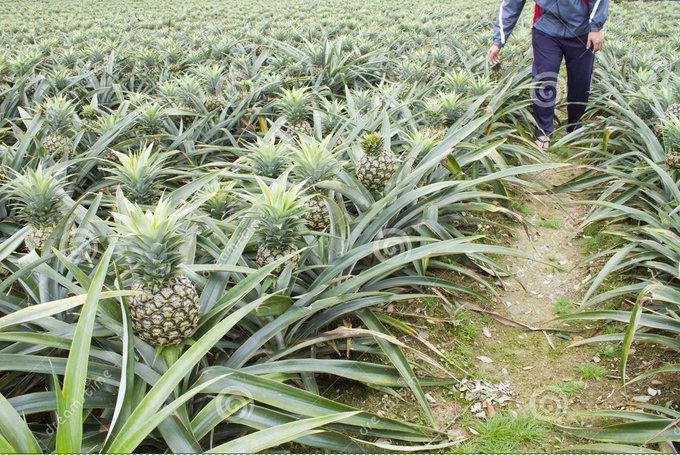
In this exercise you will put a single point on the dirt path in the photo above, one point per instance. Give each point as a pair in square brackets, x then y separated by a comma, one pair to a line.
[544, 375]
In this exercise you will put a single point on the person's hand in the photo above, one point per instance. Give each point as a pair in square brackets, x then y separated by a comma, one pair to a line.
[595, 41]
[493, 56]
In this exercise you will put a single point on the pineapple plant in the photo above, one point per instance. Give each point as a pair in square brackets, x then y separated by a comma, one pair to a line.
[166, 311]
[140, 173]
[89, 116]
[314, 163]
[671, 134]
[60, 122]
[213, 79]
[151, 122]
[434, 118]
[279, 213]
[452, 107]
[37, 199]
[268, 158]
[296, 105]
[332, 115]
[375, 169]
[673, 112]
[221, 202]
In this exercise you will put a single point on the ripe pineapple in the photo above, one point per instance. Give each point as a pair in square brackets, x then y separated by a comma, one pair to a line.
[313, 163]
[268, 158]
[280, 213]
[60, 122]
[166, 313]
[36, 197]
[140, 174]
[296, 105]
[378, 165]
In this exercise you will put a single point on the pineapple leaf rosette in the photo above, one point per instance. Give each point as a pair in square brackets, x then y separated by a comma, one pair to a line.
[37, 200]
[166, 312]
[279, 211]
[671, 135]
[314, 162]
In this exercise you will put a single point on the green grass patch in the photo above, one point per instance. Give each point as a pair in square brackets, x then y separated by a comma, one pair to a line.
[567, 388]
[550, 224]
[523, 209]
[590, 371]
[505, 433]
[563, 306]
[595, 241]
[607, 350]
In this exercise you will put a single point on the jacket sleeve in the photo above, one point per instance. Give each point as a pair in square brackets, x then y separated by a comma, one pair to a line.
[507, 19]
[599, 11]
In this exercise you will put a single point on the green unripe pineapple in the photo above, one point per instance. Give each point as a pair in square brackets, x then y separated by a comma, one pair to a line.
[140, 173]
[60, 123]
[378, 165]
[167, 310]
[296, 105]
[35, 194]
[268, 158]
[313, 163]
[279, 211]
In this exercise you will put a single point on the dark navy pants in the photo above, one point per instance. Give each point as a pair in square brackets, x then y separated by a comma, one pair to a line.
[548, 55]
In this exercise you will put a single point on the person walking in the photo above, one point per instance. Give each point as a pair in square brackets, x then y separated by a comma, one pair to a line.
[562, 29]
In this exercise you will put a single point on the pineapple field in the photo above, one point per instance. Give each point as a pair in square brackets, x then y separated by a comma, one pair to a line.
[326, 227]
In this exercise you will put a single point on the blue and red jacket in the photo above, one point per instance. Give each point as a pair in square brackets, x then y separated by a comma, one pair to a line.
[557, 18]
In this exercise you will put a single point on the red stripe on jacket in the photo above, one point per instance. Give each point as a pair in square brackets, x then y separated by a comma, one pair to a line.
[537, 10]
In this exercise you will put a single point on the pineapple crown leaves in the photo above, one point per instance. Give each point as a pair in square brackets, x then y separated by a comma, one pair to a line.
[295, 104]
[151, 241]
[36, 195]
[152, 118]
[278, 210]
[219, 198]
[433, 112]
[60, 115]
[452, 107]
[212, 76]
[268, 158]
[373, 144]
[139, 173]
[313, 161]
